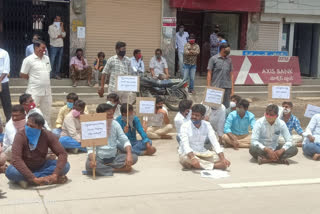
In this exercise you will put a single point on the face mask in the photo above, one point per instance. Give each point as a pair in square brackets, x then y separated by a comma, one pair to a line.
[110, 103]
[19, 125]
[31, 106]
[33, 136]
[122, 53]
[233, 104]
[75, 113]
[192, 41]
[196, 122]
[270, 119]
[131, 118]
[286, 110]
[69, 105]
[139, 56]
[158, 56]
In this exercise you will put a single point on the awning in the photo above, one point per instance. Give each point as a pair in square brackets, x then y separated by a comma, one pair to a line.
[218, 5]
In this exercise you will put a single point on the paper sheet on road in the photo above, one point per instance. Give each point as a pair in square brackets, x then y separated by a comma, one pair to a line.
[216, 174]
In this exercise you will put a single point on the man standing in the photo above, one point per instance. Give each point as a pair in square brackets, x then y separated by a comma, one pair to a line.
[191, 52]
[220, 73]
[4, 81]
[36, 69]
[214, 42]
[57, 34]
[181, 41]
[265, 139]
[159, 66]
[137, 64]
[79, 68]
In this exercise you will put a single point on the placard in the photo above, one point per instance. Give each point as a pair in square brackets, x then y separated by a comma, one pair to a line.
[81, 32]
[155, 120]
[128, 83]
[145, 106]
[94, 129]
[213, 97]
[279, 91]
[311, 110]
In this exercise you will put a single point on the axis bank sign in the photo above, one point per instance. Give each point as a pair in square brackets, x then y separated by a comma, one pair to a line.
[261, 70]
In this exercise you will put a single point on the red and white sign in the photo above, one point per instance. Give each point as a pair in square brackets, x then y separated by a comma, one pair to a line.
[261, 70]
[169, 21]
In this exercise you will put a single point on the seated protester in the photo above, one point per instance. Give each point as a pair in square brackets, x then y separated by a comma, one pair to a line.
[15, 124]
[3, 160]
[292, 122]
[158, 66]
[159, 124]
[311, 143]
[233, 104]
[1, 131]
[192, 152]
[71, 99]
[71, 129]
[108, 160]
[265, 139]
[139, 147]
[29, 150]
[114, 100]
[99, 64]
[216, 116]
[236, 128]
[80, 69]
[29, 106]
[182, 116]
[137, 64]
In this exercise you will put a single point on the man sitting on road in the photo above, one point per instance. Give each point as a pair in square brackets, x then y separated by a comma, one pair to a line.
[182, 116]
[216, 116]
[130, 128]
[192, 152]
[158, 66]
[80, 69]
[29, 150]
[236, 128]
[108, 160]
[71, 128]
[159, 124]
[265, 139]
[292, 122]
[233, 104]
[311, 144]
[114, 100]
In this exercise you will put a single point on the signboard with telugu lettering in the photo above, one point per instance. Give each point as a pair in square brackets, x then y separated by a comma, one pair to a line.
[128, 83]
[145, 106]
[279, 91]
[213, 96]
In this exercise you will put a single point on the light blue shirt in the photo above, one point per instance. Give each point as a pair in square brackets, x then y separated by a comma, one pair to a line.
[137, 66]
[237, 125]
[116, 137]
[313, 129]
[30, 50]
[181, 41]
[266, 135]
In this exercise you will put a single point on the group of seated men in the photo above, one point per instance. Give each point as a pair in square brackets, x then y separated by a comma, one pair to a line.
[39, 156]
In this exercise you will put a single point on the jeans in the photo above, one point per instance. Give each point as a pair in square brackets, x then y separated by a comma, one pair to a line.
[1, 137]
[6, 100]
[138, 147]
[56, 54]
[180, 57]
[311, 149]
[70, 143]
[47, 169]
[189, 72]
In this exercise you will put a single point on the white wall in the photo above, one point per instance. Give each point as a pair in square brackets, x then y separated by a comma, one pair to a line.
[302, 7]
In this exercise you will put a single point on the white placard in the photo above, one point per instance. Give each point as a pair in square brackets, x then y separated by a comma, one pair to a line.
[281, 92]
[57, 24]
[311, 110]
[213, 96]
[146, 107]
[81, 32]
[128, 83]
[94, 130]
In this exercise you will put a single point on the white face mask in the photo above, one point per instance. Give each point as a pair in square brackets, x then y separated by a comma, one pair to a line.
[233, 104]
[286, 110]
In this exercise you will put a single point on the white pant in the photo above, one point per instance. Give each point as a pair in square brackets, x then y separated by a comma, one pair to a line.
[44, 103]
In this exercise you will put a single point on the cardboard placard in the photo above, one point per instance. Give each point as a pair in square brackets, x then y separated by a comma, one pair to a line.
[94, 129]
[279, 92]
[128, 83]
[213, 96]
[311, 110]
[145, 106]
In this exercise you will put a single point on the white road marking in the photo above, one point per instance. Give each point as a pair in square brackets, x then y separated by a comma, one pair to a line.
[271, 183]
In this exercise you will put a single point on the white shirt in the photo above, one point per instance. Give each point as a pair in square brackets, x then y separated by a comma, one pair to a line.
[181, 41]
[179, 120]
[54, 32]
[158, 66]
[9, 134]
[137, 66]
[4, 64]
[217, 118]
[36, 110]
[39, 75]
[193, 138]
[313, 129]
[117, 112]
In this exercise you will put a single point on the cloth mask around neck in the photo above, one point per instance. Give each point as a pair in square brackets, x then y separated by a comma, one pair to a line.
[33, 136]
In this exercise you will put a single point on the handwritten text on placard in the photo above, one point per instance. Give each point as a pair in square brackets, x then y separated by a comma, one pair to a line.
[146, 107]
[281, 92]
[128, 83]
[94, 130]
[214, 96]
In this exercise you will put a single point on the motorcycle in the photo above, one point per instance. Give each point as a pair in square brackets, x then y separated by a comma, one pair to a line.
[172, 90]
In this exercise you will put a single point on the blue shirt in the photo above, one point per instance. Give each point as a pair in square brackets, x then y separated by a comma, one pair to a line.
[132, 130]
[294, 123]
[237, 125]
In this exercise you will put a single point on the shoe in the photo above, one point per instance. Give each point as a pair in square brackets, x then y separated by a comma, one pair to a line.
[58, 78]
[23, 184]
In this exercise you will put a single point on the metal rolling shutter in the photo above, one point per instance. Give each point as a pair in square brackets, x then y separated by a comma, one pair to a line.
[136, 22]
[268, 36]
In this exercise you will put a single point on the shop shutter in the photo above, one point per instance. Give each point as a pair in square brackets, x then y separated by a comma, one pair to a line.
[268, 36]
[136, 22]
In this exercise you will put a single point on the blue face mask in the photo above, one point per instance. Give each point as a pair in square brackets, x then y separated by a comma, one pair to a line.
[196, 122]
[33, 136]
[69, 105]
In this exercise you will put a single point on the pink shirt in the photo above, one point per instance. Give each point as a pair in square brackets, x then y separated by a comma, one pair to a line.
[75, 61]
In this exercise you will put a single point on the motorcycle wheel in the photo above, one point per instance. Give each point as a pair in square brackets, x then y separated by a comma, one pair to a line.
[174, 97]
